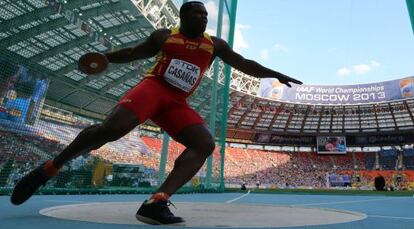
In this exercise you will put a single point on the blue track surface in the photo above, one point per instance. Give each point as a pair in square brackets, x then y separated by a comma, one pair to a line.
[382, 211]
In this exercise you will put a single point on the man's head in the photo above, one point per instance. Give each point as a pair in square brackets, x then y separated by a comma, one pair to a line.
[193, 16]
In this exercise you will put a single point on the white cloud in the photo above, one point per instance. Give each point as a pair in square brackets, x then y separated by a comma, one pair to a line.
[358, 69]
[264, 54]
[239, 41]
[212, 9]
[280, 47]
[374, 64]
[343, 72]
[361, 69]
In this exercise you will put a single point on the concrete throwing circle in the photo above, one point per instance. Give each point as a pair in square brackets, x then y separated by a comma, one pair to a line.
[208, 214]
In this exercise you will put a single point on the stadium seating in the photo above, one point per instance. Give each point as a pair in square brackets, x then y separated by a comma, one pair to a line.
[20, 153]
[408, 158]
[388, 159]
[370, 160]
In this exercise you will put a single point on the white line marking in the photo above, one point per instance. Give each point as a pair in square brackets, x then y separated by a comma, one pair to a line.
[390, 217]
[238, 198]
[352, 201]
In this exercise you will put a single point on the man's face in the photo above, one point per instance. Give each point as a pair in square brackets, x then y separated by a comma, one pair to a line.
[196, 18]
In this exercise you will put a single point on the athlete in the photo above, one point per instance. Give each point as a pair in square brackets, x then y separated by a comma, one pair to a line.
[183, 55]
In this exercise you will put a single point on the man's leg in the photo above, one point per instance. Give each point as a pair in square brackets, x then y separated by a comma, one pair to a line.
[199, 146]
[119, 122]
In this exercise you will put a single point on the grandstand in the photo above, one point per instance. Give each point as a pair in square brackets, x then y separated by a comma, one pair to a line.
[42, 41]
[269, 141]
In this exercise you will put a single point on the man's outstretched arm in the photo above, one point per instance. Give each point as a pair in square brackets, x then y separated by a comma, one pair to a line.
[148, 48]
[250, 67]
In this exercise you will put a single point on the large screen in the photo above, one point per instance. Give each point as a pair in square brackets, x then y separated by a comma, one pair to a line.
[22, 94]
[331, 144]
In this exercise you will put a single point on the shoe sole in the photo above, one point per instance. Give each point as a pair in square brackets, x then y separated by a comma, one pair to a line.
[17, 199]
[155, 222]
[15, 202]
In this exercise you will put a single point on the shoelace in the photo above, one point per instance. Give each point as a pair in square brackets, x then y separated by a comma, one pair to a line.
[166, 210]
[169, 203]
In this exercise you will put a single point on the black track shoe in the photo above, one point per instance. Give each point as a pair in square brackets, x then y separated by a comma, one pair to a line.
[157, 213]
[28, 185]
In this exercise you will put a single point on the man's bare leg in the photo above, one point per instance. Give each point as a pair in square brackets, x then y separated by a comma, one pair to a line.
[120, 122]
[199, 146]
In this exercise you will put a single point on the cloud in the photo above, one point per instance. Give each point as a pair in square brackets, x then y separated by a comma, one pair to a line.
[280, 47]
[212, 9]
[374, 64]
[239, 41]
[358, 69]
[344, 72]
[264, 54]
[361, 68]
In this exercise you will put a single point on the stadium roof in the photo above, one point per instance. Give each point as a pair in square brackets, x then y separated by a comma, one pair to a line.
[50, 36]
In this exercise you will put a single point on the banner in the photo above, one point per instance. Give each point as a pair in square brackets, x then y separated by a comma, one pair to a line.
[288, 140]
[389, 139]
[349, 94]
[343, 142]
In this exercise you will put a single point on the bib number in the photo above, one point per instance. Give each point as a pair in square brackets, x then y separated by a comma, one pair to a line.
[182, 74]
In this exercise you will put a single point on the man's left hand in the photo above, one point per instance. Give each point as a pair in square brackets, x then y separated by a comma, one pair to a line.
[286, 79]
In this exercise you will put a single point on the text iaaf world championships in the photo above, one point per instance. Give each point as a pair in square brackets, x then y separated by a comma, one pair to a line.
[340, 90]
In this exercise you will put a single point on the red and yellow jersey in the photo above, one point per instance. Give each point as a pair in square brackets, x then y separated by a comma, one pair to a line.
[182, 62]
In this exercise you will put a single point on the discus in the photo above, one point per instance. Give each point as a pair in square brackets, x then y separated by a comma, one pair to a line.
[93, 63]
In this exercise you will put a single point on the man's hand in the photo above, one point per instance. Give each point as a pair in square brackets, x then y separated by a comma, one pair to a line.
[286, 79]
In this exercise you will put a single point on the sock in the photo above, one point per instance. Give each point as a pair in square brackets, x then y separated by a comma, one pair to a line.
[50, 168]
[158, 196]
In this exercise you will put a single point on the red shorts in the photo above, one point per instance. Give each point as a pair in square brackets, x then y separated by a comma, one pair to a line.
[154, 99]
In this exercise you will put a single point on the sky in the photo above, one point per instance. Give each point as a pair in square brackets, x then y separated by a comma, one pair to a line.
[327, 42]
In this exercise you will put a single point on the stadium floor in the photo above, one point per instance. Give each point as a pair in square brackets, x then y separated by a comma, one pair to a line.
[381, 211]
